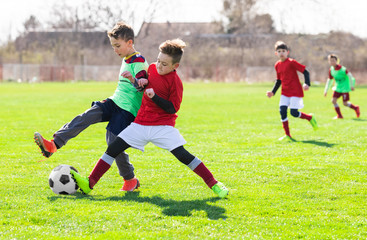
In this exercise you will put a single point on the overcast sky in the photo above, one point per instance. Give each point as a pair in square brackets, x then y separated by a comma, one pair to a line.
[300, 16]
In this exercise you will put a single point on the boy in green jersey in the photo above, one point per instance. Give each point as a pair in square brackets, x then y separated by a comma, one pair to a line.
[344, 83]
[119, 110]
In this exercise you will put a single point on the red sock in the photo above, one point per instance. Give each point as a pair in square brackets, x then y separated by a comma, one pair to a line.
[99, 169]
[305, 116]
[286, 128]
[353, 107]
[205, 174]
[337, 109]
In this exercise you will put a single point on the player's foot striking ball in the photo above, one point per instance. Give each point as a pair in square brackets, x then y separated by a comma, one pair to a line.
[83, 182]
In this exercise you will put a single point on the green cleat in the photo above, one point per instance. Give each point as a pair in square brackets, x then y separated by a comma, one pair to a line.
[220, 190]
[287, 138]
[82, 182]
[313, 122]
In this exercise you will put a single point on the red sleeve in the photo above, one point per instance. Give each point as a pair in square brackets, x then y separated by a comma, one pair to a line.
[276, 70]
[299, 67]
[330, 77]
[141, 74]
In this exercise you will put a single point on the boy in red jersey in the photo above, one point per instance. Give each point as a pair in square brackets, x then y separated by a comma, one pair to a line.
[156, 120]
[119, 110]
[292, 92]
[344, 83]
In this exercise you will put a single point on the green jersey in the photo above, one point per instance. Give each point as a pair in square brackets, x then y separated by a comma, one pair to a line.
[342, 80]
[126, 96]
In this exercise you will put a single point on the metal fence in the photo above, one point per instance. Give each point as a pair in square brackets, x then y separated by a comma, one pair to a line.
[53, 73]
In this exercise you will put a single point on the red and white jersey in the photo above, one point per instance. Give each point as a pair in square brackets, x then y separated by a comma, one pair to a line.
[287, 74]
[167, 86]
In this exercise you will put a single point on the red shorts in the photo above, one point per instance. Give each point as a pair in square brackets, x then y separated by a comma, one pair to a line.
[338, 95]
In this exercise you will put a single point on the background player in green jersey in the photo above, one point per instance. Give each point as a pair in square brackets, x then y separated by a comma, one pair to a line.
[119, 110]
[344, 83]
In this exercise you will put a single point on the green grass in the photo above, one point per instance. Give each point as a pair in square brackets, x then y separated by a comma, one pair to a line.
[314, 188]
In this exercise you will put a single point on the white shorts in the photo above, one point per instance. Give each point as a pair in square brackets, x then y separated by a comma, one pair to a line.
[291, 102]
[166, 137]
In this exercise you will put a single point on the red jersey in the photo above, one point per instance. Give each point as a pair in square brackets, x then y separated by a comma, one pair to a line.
[287, 74]
[167, 86]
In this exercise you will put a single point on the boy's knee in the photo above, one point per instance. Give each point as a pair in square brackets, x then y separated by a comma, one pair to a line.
[283, 112]
[295, 112]
[117, 147]
[345, 104]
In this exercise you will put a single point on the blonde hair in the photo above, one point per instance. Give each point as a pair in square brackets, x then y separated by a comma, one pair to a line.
[173, 48]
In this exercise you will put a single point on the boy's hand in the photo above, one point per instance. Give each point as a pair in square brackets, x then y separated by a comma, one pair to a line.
[325, 93]
[149, 92]
[128, 75]
[352, 88]
[269, 94]
[305, 87]
[142, 82]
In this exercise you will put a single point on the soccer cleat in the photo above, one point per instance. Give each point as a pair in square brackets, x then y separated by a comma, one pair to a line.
[130, 185]
[287, 138]
[82, 182]
[220, 190]
[337, 117]
[358, 112]
[47, 147]
[313, 122]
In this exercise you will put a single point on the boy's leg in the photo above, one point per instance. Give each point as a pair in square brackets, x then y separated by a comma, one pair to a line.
[197, 166]
[336, 106]
[283, 114]
[86, 184]
[308, 117]
[126, 169]
[77, 125]
[68, 131]
[354, 107]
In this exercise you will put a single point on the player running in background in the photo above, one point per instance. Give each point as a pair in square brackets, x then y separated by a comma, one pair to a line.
[156, 120]
[292, 93]
[119, 110]
[344, 83]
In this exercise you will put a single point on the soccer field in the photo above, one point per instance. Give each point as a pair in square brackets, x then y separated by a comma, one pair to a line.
[314, 188]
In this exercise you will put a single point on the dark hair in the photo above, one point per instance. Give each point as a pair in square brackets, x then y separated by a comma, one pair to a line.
[173, 48]
[123, 31]
[280, 45]
[333, 56]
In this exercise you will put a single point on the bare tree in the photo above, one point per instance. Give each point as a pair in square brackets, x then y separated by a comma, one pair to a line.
[31, 24]
[97, 14]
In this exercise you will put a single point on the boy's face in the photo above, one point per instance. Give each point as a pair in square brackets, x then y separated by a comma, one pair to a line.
[164, 64]
[332, 62]
[282, 54]
[121, 47]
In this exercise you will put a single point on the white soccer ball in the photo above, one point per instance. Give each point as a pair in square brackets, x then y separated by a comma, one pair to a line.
[61, 181]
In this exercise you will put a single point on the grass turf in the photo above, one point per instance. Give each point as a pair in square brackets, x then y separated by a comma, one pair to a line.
[314, 188]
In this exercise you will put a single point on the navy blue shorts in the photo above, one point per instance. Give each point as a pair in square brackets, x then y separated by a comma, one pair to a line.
[117, 117]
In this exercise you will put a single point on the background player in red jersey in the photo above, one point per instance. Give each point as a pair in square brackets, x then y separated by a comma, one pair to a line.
[156, 120]
[292, 90]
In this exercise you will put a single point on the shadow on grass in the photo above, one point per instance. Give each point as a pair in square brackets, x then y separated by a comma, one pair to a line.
[359, 119]
[319, 143]
[170, 207]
